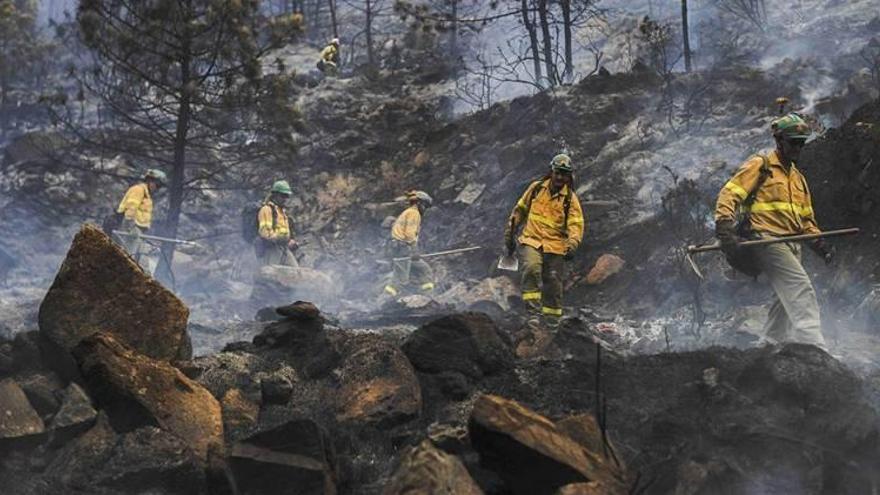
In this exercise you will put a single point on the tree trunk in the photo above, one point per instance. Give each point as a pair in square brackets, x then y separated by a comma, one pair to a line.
[533, 41]
[178, 175]
[685, 35]
[332, 4]
[549, 65]
[566, 23]
[454, 28]
[369, 33]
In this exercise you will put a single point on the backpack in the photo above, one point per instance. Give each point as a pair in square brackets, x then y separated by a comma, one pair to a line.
[250, 222]
[566, 202]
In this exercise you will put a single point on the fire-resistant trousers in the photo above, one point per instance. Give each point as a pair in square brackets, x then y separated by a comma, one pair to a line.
[270, 253]
[794, 316]
[409, 272]
[541, 282]
[132, 242]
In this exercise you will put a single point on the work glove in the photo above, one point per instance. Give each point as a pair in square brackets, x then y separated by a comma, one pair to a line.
[569, 252]
[823, 250]
[725, 231]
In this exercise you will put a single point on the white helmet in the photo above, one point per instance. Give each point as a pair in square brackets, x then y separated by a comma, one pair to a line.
[334, 41]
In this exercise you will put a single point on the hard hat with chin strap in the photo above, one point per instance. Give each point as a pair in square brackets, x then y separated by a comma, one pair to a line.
[281, 187]
[561, 163]
[157, 175]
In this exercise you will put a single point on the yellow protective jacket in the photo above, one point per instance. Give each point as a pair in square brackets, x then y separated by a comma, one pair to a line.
[329, 53]
[137, 205]
[406, 227]
[544, 224]
[273, 222]
[783, 205]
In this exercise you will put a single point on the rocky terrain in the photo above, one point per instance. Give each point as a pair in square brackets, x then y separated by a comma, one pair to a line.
[656, 382]
[463, 404]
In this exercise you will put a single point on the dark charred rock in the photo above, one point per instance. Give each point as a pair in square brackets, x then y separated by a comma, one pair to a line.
[294, 458]
[43, 390]
[300, 310]
[147, 460]
[26, 353]
[378, 384]
[137, 391]
[76, 413]
[100, 288]
[530, 453]
[467, 343]
[18, 418]
[426, 470]
[453, 385]
[276, 389]
[298, 331]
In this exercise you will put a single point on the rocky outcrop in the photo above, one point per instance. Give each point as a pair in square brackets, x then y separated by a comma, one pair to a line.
[467, 343]
[137, 391]
[295, 457]
[378, 384]
[100, 288]
[530, 453]
[426, 470]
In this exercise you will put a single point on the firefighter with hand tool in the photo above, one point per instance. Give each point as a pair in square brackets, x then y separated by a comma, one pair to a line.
[768, 198]
[553, 227]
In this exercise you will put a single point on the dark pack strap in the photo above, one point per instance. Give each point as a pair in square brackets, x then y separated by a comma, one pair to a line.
[765, 172]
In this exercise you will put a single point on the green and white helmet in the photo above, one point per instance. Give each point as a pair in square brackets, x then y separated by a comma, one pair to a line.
[791, 126]
[157, 175]
[281, 187]
[561, 163]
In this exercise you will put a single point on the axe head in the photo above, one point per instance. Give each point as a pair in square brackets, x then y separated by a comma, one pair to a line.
[694, 267]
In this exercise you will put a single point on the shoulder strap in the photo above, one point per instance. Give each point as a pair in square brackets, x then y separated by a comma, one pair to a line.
[566, 206]
[765, 172]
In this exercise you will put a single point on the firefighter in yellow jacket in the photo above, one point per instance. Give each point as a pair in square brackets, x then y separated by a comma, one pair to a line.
[275, 243]
[137, 210]
[329, 61]
[411, 271]
[773, 196]
[553, 229]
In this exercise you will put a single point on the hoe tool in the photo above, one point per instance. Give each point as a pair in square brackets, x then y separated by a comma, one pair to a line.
[716, 246]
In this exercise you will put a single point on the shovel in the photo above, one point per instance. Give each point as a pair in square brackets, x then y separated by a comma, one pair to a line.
[509, 262]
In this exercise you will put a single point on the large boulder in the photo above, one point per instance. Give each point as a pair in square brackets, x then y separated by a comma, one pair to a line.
[136, 391]
[275, 285]
[530, 453]
[17, 417]
[468, 343]
[295, 458]
[378, 384]
[100, 288]
[428, 471]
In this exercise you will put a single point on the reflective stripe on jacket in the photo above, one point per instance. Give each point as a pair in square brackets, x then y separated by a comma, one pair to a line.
[783, 205]
[544, 225]
[406, 227]
[266, 220]
[137, 205]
